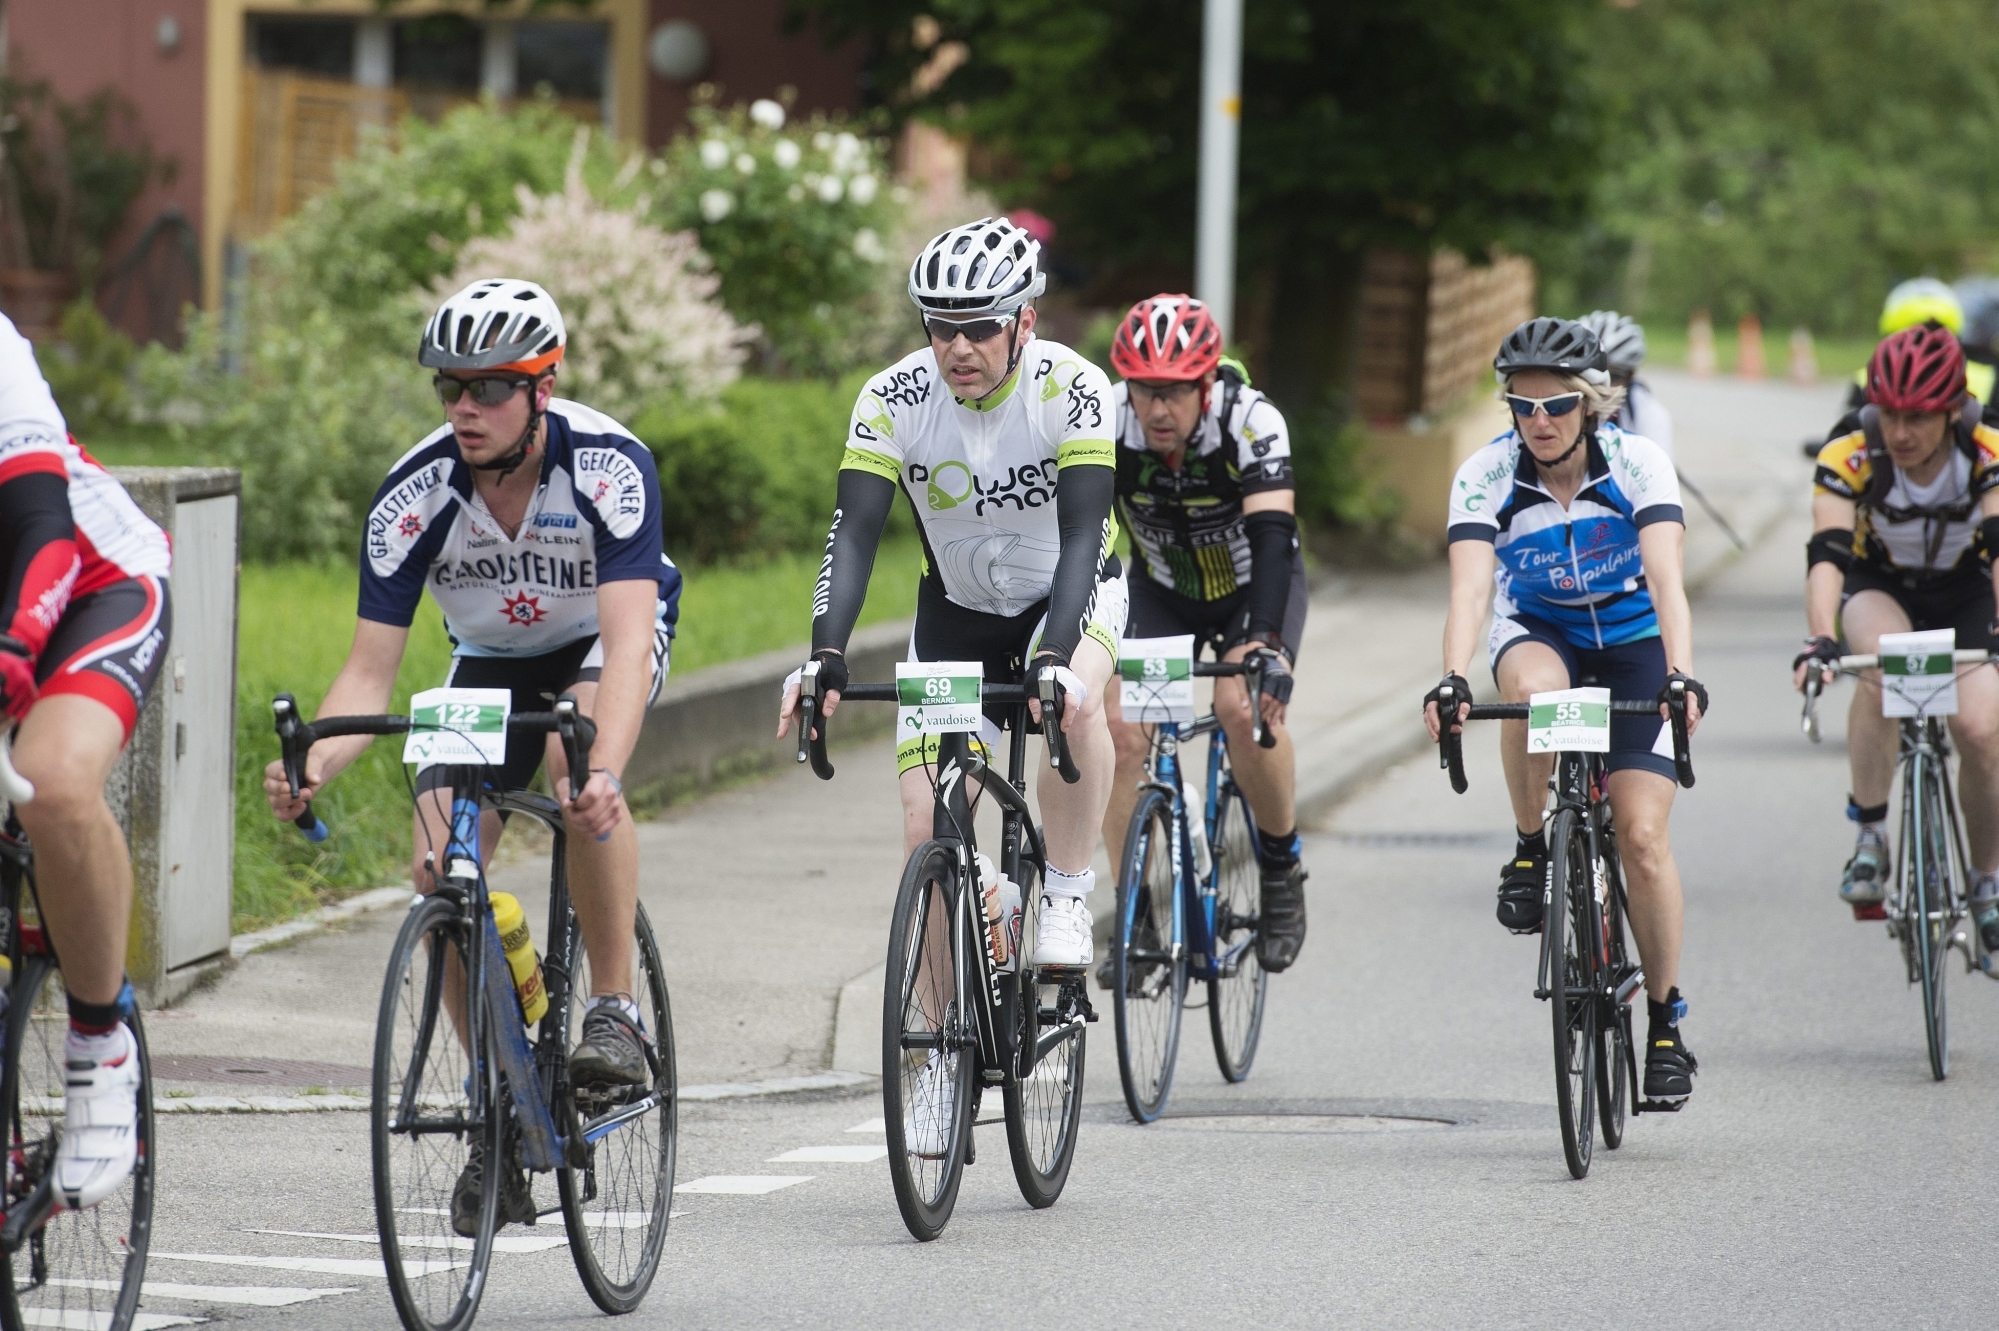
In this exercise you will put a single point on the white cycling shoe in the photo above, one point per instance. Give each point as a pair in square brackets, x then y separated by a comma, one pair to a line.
[100, 1135]
[1062, 935]
[932, 1102]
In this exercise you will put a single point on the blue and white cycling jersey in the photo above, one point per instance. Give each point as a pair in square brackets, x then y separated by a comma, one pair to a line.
[594, 518]
[1578, 569]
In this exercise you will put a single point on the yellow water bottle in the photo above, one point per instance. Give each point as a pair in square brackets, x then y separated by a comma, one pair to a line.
[518, 944]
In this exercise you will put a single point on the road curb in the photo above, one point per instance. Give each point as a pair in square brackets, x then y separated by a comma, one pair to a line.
[857, 1044]
[364, 903]
[338, 1102]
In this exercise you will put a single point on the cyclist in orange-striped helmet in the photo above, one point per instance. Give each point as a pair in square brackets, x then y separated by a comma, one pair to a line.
[1205, 488]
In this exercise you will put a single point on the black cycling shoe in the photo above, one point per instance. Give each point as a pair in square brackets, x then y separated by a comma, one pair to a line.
[516, 1196]
[1669, 1073]
[611, 1052]
[1521, 885]
[1282, 930]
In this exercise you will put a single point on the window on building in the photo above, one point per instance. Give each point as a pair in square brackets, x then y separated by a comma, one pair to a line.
[567, 58]
[440, 52]
[323, 46]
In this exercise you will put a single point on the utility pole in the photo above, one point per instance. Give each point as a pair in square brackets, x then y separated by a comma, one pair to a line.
[1221, 116]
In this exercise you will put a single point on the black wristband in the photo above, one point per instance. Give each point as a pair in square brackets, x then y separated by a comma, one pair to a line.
[1986, 540]
[1834, 545]
[1273, 543]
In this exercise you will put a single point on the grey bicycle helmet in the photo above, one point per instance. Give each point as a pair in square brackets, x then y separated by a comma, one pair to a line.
[1621, 337]
[1980, 298]
[1562, 345]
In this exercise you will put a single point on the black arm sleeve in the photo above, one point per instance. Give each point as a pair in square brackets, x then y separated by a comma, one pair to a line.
[34, 520]
[860, 513]
[1273, 539]
[1083, 498]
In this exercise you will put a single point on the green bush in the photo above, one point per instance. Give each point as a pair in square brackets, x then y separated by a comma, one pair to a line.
[1335, 491]
[89, 368]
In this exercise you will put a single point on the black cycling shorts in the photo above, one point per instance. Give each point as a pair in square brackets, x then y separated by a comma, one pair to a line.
[534, 682]
[1157, 611]
[1961, 601]
[1633, 671]
[110, 646]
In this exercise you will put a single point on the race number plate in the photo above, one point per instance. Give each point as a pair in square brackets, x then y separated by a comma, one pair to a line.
[1917, 676]
[1569, 721]
[937, 697]
[1156, 679]
[458, 726]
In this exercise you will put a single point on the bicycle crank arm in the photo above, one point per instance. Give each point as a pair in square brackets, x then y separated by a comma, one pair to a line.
[598, 1128]
[24, 1219]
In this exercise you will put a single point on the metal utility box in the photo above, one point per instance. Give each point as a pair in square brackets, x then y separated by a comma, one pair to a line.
[174, 790]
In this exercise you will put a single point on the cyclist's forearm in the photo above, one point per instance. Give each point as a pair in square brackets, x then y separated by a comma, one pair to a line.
[1471, 596]
[625, 616]
[364, 687]
[1273, 536]
[1824, 584]
[1084, 493]
[1660, 549]
[860, 514]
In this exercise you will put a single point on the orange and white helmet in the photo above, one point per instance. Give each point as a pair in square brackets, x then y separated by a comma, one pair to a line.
[501, 323]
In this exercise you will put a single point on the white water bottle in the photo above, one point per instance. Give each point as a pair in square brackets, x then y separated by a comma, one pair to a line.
[1197, 839]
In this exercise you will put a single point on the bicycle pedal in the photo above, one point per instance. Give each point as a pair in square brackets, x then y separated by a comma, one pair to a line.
[1870, 911]
[1660, 1106]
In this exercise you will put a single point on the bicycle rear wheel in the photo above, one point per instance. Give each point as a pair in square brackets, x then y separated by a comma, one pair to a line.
[1148, 965]
[1236, 996]
[80, 1268]
[1930, 912]
[615, 1206]
[1615, 1059]
[432, 1106]
[1572, 985]
[929, 1045]
[1044, 1088]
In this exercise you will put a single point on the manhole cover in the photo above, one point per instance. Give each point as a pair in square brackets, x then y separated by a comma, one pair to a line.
[256, 1071]
[1302, 1122]
[1419, 840]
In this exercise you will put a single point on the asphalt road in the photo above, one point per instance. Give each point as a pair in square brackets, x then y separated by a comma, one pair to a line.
[1818, 1178]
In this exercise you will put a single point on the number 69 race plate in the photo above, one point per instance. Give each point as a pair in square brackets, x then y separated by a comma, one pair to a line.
[937, 697]
[1569, 721]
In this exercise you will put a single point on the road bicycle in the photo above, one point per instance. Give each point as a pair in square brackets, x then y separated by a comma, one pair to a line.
[1585, 972]
[57, 1267]
[1189, 899]
[1928, 900]
[963, 1010]
[449, 992]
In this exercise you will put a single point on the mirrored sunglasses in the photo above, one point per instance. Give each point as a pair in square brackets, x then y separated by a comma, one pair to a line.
[487, 392]
[1559, 405]
[973, 330]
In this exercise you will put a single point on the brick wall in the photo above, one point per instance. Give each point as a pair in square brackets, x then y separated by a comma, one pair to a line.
[1429, 328]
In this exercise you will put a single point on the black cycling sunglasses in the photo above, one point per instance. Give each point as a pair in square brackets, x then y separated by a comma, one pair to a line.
[1559, 405]
[973, 330]
[487, 391]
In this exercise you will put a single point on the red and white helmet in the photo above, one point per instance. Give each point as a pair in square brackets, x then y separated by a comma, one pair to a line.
[1919, 369]
[501, 323]
[1167, 337]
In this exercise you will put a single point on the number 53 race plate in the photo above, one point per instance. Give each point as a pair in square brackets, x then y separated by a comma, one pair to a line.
[1569, 721]
[458, 726]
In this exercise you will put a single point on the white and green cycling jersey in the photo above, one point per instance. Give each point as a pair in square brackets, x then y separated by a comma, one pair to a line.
[982, 475]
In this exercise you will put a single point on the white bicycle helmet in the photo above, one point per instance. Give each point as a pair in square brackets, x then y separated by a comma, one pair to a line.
[500, 323]
[989, 266]
[1621, 337]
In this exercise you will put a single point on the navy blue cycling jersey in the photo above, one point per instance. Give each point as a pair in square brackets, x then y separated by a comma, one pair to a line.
[594, 518]
[1577, 569]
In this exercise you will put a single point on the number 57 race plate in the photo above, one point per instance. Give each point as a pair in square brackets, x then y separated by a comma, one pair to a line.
[458, 726]
[1569, 721]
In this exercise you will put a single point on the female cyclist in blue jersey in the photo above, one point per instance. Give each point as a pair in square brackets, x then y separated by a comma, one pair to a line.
[1571, 531]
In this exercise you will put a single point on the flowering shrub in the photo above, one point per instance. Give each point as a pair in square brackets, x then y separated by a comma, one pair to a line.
[638, 302]
[793, 215]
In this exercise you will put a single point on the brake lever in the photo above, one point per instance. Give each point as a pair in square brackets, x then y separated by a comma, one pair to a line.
[1252, 678]
[1050, 692]
[1450, 742]
[1683, 759]
[812, 722]
[284, 710]
[1809, 720]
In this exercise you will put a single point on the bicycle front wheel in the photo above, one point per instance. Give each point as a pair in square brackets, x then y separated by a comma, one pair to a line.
[433, 1107]
[615, 1206]
[929, 1044]
[1148, 965]
[1237, 993]
[1930, 913]
[1616, 1061]
[80, 1268]
[1044, 1088]
[1573, 992]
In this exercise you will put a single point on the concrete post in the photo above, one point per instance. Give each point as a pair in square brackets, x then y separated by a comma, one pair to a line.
[1221, 115]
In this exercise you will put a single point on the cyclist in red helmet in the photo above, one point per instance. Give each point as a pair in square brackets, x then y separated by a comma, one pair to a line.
[1204, 484]
[1905, 517]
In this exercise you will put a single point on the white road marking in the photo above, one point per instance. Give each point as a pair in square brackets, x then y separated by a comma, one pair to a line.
[872, 1125]
[83, 1319]
[325, 1266]
[846, 1155]
[260, 1296]
[748, 1185]
[504, 1243]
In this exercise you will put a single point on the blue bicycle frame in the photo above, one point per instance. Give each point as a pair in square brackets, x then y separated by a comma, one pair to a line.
[1195, 902]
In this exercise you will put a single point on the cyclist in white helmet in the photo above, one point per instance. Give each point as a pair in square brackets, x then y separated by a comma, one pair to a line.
[535, 524]
[1002, 441]
[1623, 341]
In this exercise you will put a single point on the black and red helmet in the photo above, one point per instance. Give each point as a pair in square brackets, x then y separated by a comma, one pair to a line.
[1170, 337]
[1917, 369]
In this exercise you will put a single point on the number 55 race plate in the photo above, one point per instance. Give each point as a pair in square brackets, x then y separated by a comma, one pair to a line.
[1569, 721]
[458, 726]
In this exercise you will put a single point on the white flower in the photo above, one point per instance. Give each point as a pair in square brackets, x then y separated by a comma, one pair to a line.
[822, 141]
[746, 164]
[796, 194]
[767, 113]
[868, 246]
[848, 154]
[658, 167]
[785, 154]
[861, 189]
[716, 204]
[714, 154]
